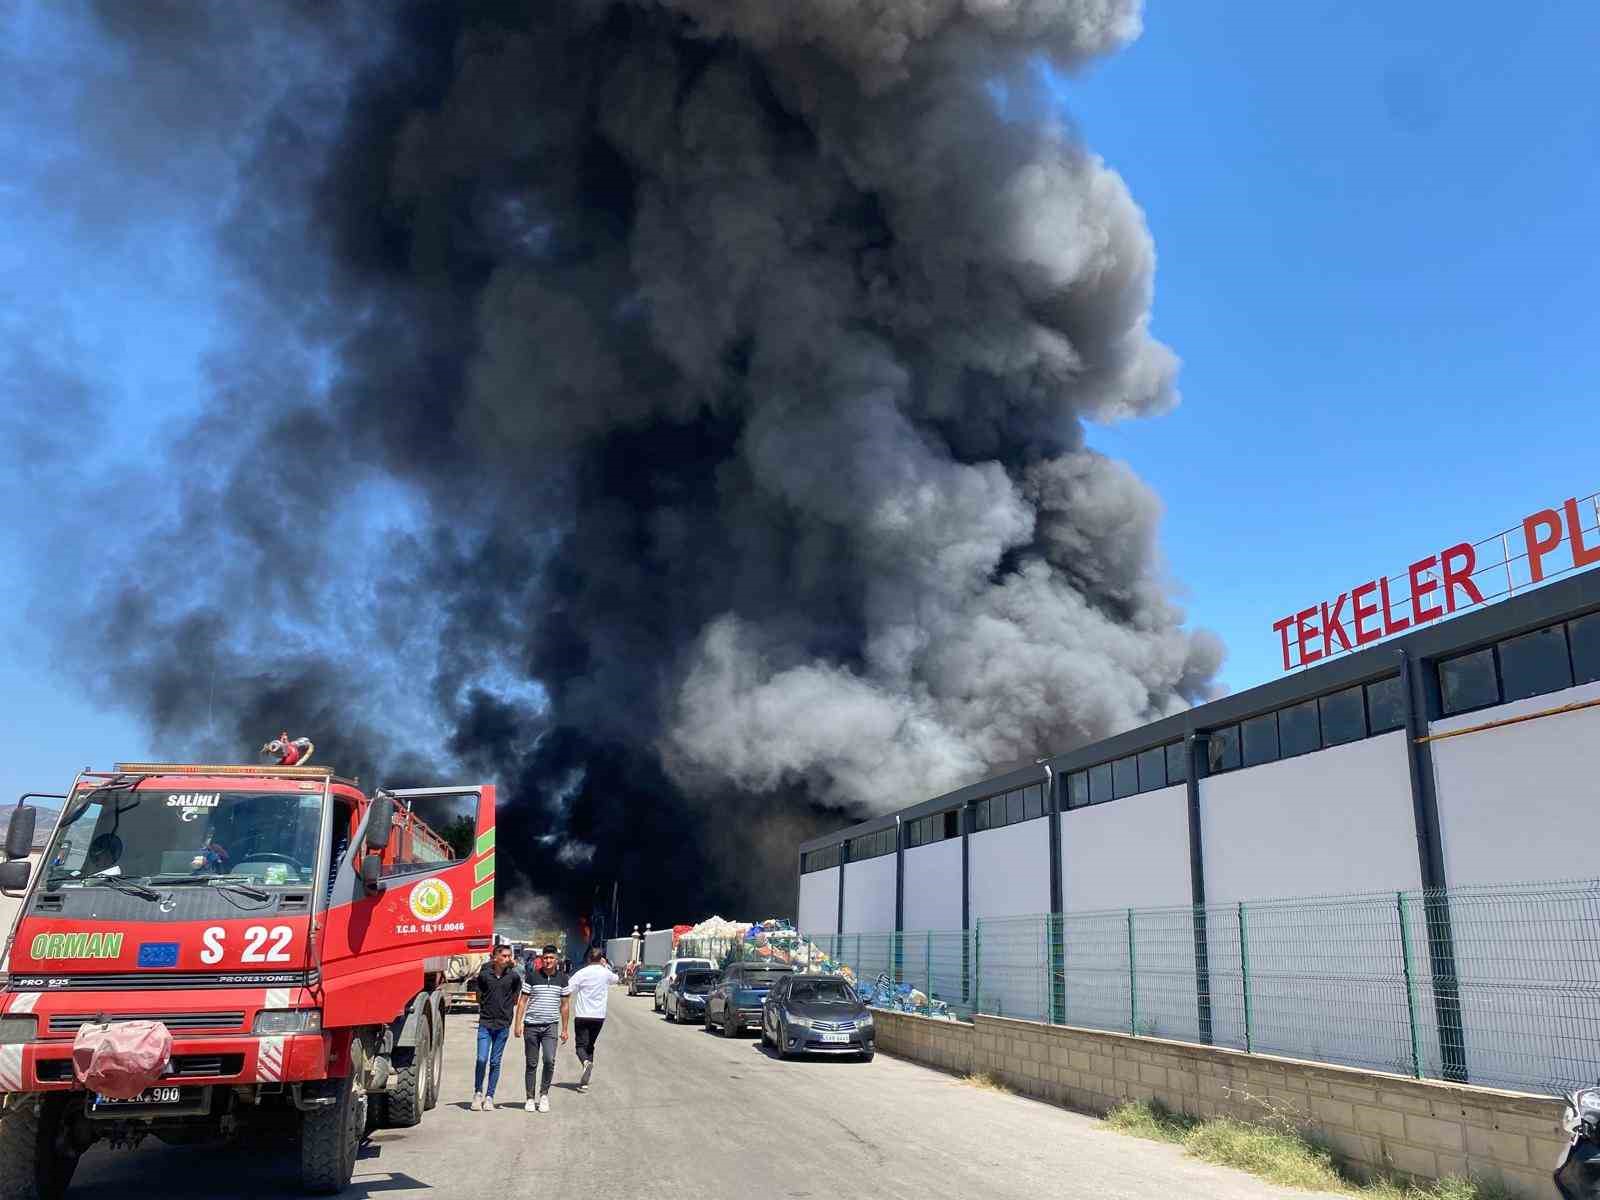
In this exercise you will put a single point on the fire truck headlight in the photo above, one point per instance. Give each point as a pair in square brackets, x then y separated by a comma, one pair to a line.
[16, 1030]
[288, 1020]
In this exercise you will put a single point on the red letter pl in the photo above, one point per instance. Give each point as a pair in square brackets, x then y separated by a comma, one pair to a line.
[1359, 614]
[1460, 578]
[1538, 547]
[1390, 625]
[1421, 587]
[1331, 622]
[1306, 633]
[1282, 630]
[1582, 555]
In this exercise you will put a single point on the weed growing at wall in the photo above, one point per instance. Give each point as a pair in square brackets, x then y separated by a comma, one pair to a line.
[1282, 1154]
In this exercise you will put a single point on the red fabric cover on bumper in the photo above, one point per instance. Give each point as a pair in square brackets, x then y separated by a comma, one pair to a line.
[120, 1059]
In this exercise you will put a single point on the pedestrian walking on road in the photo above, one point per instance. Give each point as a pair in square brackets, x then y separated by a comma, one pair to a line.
[591, 987]
[499, 997]
[546, 999]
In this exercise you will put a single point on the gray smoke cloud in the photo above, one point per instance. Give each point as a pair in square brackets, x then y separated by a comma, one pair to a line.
[730, 361]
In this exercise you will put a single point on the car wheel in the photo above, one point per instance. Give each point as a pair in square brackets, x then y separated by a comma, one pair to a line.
[783, 1041]
[728, 1027]
[866, 1056]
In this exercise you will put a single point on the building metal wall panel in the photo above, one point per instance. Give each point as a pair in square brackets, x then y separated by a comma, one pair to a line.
[1334, 822]
[1130, 853]
[1011, 871]
[819, 901]
[1512, 799]
[869, 895]
[933, 886]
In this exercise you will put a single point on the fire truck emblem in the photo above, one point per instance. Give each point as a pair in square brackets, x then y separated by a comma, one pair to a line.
[431, 900]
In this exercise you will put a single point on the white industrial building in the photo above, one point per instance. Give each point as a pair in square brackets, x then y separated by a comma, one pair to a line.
[1465, 753]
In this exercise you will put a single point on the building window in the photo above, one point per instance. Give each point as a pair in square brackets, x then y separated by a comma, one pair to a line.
[1125, 777]
[1100, 784]
[1386, 706]
[1177, 762]
[952, 823]
[1153, 769]
[1223, 751]
[1534, 664]
[1468, 681]
[1032, 802]
[1260, 740]
[1016, 809]
[980, 816]
[1078, 789]
[1299, 730]
[872, 845]
[1344, 718]
[820, 860]
[1584, 637]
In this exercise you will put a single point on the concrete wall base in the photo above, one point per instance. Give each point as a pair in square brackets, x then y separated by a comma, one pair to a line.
[1374, 1122]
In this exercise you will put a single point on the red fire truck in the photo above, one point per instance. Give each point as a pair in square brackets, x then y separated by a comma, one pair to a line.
[289, 931]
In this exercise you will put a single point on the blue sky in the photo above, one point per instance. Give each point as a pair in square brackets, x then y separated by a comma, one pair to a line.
[1375, 229]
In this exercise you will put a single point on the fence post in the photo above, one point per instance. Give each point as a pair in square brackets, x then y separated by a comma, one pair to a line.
[1411, 987]
[977, 968]
[1244, 974]
[928, 967]
[858, 954]
[1133, 984]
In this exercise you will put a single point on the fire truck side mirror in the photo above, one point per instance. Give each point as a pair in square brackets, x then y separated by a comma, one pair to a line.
[380, 822]
[372, 871]
[19, 832]
[14, 875]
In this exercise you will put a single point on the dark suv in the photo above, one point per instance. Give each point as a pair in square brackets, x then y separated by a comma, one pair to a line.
[817, 1014]
[734, 1006]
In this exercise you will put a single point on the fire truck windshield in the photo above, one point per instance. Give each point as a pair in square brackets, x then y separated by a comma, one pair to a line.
[269, 838]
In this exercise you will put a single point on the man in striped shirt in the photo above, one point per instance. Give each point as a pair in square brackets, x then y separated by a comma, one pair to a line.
[546, 999]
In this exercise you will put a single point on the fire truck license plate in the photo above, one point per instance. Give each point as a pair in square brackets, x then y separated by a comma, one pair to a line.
[156, 1095]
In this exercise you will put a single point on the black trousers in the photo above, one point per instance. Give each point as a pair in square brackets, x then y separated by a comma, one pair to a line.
[587, 1033]
[538, 1041]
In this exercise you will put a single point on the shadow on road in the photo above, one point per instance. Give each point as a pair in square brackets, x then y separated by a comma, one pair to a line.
[818, 1060]
[213, 1171]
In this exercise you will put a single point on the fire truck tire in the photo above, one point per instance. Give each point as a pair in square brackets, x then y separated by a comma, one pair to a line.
[330, 1139]
[31, 1168]
[408, 1094]
[436, 1070]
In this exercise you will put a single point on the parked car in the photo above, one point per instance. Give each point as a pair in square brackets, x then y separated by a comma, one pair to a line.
[644, 979]
[686, 995]
[817, 1014]
[734, 1005]
[673, 967]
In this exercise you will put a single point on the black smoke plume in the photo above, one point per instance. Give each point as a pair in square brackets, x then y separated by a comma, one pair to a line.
[670, 410]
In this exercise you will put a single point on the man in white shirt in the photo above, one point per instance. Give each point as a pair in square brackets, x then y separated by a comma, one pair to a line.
[591, 987]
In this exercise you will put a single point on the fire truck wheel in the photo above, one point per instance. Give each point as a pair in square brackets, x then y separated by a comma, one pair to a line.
[31, 1167]
[408, 1093]
[330, 1138]
[436, 1069]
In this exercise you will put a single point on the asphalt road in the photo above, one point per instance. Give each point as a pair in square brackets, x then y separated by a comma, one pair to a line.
[673, 1110]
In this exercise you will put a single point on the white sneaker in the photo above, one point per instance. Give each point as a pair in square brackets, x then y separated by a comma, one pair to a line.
[544, 1103]
[531, 1106]
[477, 1101]
[588, 1070]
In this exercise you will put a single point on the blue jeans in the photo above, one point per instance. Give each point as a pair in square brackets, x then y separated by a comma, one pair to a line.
[491, 1047]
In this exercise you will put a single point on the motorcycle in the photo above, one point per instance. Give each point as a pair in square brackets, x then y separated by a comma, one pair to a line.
[1577, 1175]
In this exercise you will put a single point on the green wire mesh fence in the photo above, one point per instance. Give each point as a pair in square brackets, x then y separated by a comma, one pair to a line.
[1494, 986]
